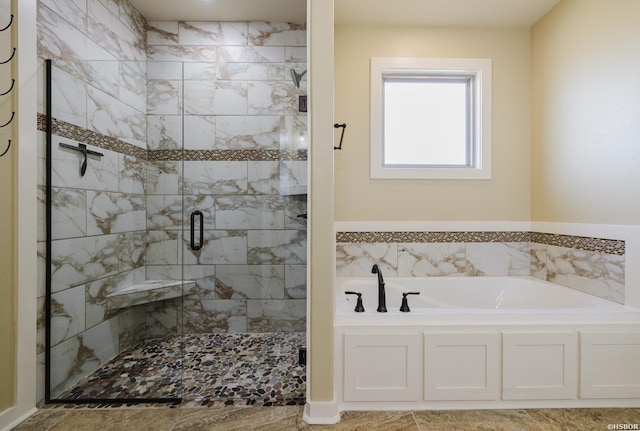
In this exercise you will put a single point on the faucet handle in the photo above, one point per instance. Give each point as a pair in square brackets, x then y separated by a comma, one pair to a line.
[405, 304]
[359, 306]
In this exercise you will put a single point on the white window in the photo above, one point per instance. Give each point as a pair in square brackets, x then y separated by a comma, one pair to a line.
[430, 118]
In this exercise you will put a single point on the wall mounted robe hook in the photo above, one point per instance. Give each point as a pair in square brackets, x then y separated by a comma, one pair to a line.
[8, 25]
[9, 59]
[7, 150]
[10, 120]
[13, 81]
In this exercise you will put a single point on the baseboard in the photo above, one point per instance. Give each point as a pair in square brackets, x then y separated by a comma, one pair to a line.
[321, 413]
[7, 415]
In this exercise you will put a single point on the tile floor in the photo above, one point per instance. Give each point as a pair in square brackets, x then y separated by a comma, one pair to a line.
[289, 418]
[203, 369]
[252, 382]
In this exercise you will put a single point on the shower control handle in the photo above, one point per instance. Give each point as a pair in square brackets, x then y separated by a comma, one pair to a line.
[197, 213]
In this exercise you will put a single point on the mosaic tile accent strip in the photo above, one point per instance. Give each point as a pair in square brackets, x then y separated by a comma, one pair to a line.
[609, 246]
[205, 370]
[416, 237]
[70, 131]
[227, 155]
[73, 132]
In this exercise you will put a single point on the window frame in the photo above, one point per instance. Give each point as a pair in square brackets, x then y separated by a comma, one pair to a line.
[479, 118]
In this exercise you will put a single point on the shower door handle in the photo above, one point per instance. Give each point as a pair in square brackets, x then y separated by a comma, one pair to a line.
[197, 213]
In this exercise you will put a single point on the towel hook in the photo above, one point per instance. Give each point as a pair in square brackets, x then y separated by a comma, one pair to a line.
[10, 120]
[7, 150]
[338, 126]
[13, 81]
[9, 59]
[8, 25]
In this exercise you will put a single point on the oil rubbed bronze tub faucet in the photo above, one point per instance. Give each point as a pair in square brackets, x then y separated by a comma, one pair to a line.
[382, 300]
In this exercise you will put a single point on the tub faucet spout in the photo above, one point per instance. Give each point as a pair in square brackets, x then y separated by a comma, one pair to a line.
[382, 300]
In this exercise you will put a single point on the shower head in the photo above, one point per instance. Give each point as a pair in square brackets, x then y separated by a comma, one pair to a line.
[296, 77]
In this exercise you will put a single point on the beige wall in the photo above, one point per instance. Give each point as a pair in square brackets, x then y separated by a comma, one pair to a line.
[7, 276]
[586, 114]
[321, 267]
[17, 378]
[7, 226]
[505, 197]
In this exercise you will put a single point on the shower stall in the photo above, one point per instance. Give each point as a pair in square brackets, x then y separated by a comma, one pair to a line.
[173, 208]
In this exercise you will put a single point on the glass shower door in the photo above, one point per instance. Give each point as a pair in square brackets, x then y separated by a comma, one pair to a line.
[114, 220]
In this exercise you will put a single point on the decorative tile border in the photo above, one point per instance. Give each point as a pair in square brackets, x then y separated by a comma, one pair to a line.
[609, 246]
[372, 237]
[600, 245]
[76, 133]
[227, 155]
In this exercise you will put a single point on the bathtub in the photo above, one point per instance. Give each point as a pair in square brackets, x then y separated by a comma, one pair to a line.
[483, 343]
[467, 298]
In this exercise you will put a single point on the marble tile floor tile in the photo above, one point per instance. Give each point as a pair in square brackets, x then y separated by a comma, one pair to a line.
[289, 418]
[204, 370]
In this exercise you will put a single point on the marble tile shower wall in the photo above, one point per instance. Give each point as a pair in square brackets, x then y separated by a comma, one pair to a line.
[98, 50]
[592, 265]
[240, 119]
[121, 222]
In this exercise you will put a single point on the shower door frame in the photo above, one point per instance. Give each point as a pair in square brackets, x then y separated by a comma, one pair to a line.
[48, 272]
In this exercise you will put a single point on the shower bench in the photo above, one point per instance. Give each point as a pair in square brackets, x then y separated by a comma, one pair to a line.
[149, 291]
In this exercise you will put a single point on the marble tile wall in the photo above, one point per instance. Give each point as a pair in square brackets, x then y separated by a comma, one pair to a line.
[98, 50]
[238, 105]
[592, 265]
[595, 272]
[433, 259]
[121, 86]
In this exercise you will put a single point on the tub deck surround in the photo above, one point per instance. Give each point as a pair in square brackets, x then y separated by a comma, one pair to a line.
[507, 316]
[149, 291]
[483, 342]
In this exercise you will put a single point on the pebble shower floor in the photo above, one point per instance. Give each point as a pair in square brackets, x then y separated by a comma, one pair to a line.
[237, 369]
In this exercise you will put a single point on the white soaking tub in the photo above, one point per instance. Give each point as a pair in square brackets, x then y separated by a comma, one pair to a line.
[483, 342]
[493, 298]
